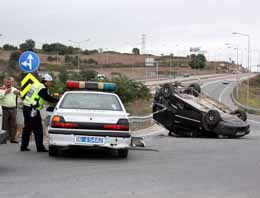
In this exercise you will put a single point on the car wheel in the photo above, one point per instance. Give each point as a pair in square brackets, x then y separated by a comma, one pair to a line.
[210, 119]
[156, 108]
[167, 90]
[53, 151]
[235, 136]
[122, 153]
[240, 114]
[196, 89]
[158, 95]
[193, 89]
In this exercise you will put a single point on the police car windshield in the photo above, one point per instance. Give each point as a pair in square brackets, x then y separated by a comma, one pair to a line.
[91, 101]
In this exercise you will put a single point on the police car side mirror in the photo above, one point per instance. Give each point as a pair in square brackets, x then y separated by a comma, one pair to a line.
[50, 109]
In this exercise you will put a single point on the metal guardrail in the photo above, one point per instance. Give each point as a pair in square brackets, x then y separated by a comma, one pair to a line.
[140, 122]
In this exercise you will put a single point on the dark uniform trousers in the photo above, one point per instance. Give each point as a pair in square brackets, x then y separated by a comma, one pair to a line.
[32, 124]
[9, 122]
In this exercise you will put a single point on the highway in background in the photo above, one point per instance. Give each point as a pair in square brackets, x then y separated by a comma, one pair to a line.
[182, 167]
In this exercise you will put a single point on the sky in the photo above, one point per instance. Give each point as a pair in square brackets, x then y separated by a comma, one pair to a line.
[169, 26]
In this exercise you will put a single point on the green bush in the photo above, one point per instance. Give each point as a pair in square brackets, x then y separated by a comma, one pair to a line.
[130, 90]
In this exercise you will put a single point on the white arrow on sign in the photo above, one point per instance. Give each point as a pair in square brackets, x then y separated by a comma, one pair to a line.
[28, 62]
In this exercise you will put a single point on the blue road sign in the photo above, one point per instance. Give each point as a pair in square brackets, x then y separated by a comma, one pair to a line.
[29, 61]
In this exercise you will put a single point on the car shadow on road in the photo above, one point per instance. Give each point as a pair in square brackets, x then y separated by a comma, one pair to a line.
[245, 138]
[94, 154]
[4, 170]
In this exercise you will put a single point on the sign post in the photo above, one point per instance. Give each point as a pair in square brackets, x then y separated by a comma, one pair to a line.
[28, 62]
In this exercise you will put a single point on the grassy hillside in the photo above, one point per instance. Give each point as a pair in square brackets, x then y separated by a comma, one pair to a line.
[254, 92]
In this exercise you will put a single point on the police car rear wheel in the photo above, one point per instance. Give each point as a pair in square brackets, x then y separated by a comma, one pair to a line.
[53, 151]
[122, 153]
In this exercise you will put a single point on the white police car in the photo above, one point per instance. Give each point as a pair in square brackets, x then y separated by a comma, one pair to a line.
[89, 119]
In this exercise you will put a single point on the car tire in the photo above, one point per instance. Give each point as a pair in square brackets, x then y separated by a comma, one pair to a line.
[210, 119]
[196, 90]
[122, 153]
[158, 95]
[53, 151]
[167, 90]
[235, 136]
[156, 107]
[240, 114]
[193, 89]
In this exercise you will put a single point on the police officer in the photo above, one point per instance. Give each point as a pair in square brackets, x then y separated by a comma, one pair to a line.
[32, 104]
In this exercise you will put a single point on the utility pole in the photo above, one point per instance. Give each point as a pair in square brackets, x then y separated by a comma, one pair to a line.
[248, 64]
[0, 37]
[143, 42]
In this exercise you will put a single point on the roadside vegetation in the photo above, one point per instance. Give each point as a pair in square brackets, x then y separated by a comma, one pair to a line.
[254, 92]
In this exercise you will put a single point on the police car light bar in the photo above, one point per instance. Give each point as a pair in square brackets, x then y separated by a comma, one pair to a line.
[89, 85]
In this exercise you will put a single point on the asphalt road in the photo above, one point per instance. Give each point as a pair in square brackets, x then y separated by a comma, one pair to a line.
[182, 167]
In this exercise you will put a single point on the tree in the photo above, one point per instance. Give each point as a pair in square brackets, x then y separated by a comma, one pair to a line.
[136, 51]
[197, 61]
[88, 75]
[13, 59]
[89, 52]
[63, 75]
[201, 60]
[130, 90]
[28, 45]
[8, 47]
[59, 48]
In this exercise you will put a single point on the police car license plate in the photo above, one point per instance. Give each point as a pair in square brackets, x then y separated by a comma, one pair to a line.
[90, 140]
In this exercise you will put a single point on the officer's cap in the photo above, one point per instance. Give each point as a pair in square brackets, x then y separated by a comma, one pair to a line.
[47, 77]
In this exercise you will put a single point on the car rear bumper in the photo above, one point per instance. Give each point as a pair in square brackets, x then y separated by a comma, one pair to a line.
[69, 140]
[91, 133]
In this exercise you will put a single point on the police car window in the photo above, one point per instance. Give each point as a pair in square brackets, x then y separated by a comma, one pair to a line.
[91, 101]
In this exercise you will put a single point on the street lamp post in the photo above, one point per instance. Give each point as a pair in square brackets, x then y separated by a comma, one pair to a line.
[0, 36]
[237, 88]
[248, 63]
[78, 42]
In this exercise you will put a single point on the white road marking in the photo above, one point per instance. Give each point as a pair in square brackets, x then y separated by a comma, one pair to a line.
[222, 93]
[254, 121]
[212, 82]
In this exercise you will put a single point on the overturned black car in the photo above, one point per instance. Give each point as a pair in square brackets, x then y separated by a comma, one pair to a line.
[187, 112]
